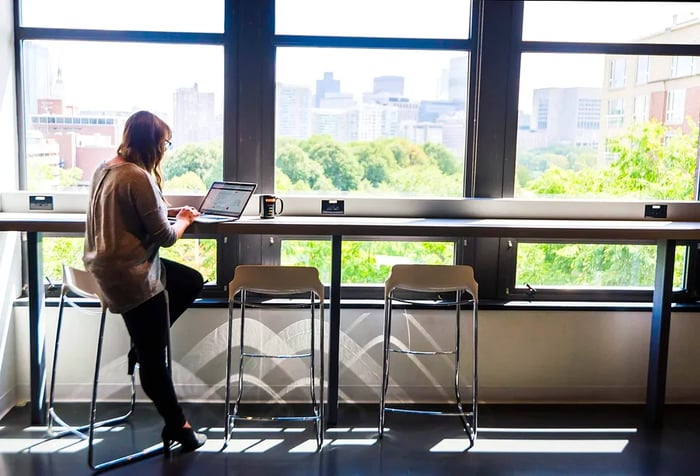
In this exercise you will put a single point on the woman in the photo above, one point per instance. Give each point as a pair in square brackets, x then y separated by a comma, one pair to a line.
[126, 225]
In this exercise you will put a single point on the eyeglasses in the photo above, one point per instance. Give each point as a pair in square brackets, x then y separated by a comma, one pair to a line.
[168, 144]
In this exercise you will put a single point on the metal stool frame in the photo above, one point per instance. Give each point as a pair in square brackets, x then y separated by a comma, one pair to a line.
[433, 279]
[83, 285]
[276, 281]
[138, 455]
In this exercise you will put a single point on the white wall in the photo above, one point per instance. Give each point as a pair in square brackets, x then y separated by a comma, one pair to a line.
[9, 242]
[525, 356]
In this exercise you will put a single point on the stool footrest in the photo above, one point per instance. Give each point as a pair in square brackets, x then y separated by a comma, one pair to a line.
[147, 453]
[275, 418]
[276, 356]
[427, 412]
[423, 352]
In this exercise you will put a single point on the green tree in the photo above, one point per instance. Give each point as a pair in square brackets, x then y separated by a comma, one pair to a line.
[186, 181]
[446, 161]
[205, 160]
[652, 162]
[376, 160]
[296, 164]
[339, 165]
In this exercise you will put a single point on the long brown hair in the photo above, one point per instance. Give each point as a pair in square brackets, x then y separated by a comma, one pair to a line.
[144, 142]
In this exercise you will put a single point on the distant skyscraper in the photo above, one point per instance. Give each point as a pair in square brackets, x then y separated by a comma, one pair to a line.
[457, 80]
[293, 111]
[194, 119]
[567, 115]
[388, 84]
[325, 86]
[40, 73]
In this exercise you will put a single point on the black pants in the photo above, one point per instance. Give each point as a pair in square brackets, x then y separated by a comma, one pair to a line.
[148, 326]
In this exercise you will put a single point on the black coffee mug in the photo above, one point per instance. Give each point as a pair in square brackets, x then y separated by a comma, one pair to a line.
[269, 206]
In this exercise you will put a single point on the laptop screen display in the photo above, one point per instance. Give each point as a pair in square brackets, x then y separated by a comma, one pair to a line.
[227, 198]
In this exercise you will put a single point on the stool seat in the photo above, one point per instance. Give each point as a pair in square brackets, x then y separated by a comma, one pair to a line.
[407, 281]
[276, 281]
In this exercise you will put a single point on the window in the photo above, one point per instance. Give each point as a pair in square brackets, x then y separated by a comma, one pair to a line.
[395, 126]
[78, 108]
[380, 113]
[643, 69]
[616, 112]
[682, 66]
[617, 74]
[641, 108]
[552, 161]
[675, 106]
[133, 15]
[80, 87]
[373, 18]
[602, 21]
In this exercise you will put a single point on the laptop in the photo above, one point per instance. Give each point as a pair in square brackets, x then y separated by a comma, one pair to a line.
[225, 201]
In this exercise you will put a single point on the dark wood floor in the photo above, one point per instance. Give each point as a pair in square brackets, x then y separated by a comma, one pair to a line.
[513, 440]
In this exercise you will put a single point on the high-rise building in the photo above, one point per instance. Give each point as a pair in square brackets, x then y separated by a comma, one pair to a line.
[293, 111]
[429, 111]
[340, 124]
[42, 71]
[392, 85]
[325, 86]
[194, 118]
[566, 116]
[457, 80]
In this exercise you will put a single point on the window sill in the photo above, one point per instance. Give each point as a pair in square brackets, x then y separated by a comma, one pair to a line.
[488, 305]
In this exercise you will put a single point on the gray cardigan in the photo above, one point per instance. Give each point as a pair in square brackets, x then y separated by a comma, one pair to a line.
[126, 224]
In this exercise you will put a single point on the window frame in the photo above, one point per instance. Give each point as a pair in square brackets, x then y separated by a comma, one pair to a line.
[495, 47]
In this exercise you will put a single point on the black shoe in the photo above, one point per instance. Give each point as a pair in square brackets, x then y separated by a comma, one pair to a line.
[131, 358]
[189, 439]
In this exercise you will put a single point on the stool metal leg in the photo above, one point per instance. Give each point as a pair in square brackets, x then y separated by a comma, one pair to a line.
[231, 416]
[227, 430]
[458, 332]
[322, 377]
[138, 455]
[475, 378]
[241, 361]
[53, 416]
[385, 363]
[317, 406]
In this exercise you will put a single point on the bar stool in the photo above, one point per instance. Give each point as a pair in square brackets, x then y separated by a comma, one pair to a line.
[83, 285]
[94, 424]
[422, 279]
[268, 281]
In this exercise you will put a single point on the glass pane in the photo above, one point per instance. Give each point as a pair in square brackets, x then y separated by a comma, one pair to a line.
[58, 251]
[592, 266]
[612, 22]
[589, 129]
[364, 262]
[370, 121]
[204, 16]
[77, 101]
[374, 18]
[197, 253]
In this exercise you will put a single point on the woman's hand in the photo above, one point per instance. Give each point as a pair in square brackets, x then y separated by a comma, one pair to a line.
[187, 214]
[184, 218]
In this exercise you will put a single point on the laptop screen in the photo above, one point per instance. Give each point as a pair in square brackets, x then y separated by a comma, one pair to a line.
[227, 198]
